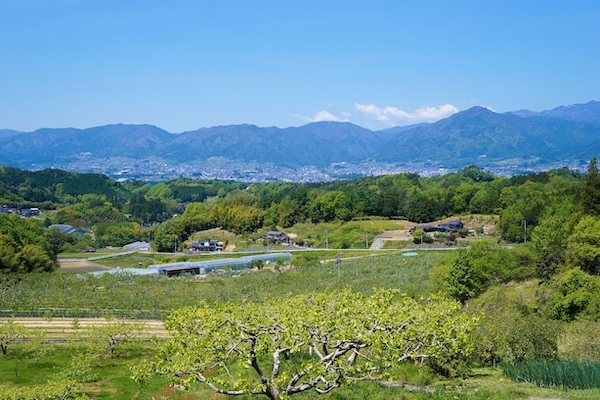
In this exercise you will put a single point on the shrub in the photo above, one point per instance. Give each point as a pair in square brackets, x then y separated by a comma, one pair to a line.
[580, 341]
[575, 294]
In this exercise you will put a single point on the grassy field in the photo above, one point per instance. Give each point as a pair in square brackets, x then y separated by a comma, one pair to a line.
[109, 378]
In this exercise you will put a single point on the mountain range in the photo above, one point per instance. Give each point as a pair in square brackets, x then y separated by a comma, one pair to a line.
[474, 136]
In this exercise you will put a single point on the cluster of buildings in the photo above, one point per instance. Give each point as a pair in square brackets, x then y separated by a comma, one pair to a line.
[452, 226]
[210, 245]
[25, 212]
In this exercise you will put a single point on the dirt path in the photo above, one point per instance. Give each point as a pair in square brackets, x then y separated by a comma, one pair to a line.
[60, 328]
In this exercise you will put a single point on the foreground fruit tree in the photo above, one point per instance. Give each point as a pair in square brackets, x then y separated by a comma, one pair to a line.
[310, 342]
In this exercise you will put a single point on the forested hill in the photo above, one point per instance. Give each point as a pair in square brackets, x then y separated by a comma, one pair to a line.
[89, 200]
[43, 188]
[557, 202]
[475, 136]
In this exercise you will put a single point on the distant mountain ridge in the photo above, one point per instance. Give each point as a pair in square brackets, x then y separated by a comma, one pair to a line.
[588, 112]
[477, 135]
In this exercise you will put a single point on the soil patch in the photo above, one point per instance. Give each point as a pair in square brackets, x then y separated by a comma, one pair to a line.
[80, 266]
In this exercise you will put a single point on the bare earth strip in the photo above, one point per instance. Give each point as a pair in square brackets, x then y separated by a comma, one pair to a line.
[61, 328]
[76, 265]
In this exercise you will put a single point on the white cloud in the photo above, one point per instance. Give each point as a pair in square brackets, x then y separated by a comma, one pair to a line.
[393, 115]
[435, 113]
[323, 116]
[384, 116]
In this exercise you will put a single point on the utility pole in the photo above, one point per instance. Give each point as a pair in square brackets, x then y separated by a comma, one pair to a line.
[366, 239]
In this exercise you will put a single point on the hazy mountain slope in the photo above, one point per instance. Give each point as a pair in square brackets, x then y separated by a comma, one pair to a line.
[588, 112]
[468, 136]
[318, 143]
[477, 135]
[48, 145]
[4, 133]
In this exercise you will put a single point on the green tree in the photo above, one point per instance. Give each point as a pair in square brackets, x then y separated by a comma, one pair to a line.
[419, 236]
[463, 281]
[485, 200]
[10, 332]
[331, 206]
[23, 246]
[475, 269]
[550, 241]
[164, 238]
[590, 189]
[118, 234]
[59, 239]
[523, 207]
[37, 345]
[146, 210]
[287, 213]
[583, 245]
[574, 294]
[309, 342]
[425, 206]
[35, 258]
[105, 338]
[61, 388]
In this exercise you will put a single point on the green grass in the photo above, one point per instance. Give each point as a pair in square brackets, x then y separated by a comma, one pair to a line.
[416, 383]
[352, 234]
[112, 375]
[111, 380]
[397, 244]
[98, 252]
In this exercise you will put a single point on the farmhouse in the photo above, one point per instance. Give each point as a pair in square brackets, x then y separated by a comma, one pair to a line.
[452, 226]
[207, 245]
[276, 237]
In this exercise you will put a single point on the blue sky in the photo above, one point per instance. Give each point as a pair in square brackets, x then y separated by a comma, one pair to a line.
[182, 65]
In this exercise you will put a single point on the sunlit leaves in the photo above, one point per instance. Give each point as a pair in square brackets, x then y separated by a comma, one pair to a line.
[312, 341]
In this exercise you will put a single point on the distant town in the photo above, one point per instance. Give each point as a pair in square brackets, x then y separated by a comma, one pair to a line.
[156, 169]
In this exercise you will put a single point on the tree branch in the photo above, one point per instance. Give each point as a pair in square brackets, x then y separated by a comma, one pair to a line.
[200, 378]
